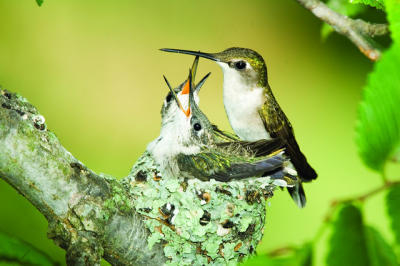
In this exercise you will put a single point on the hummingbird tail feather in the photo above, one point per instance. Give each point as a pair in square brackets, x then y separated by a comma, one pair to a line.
[304, 169]
[298, 195]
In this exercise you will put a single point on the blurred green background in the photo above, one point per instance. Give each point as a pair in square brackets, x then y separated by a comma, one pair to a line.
[94, 71]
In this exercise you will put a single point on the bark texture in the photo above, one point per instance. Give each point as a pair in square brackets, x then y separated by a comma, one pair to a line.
[143, 219]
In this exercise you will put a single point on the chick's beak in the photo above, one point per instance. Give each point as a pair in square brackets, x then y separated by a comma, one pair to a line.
[178, 102]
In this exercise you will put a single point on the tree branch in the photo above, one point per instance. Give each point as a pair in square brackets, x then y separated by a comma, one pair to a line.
[357, 30]
[70, 196]
[144, 219]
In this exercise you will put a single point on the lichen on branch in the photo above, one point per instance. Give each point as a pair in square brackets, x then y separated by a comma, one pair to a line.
[143, 219]
[200, 222]
[89, 215]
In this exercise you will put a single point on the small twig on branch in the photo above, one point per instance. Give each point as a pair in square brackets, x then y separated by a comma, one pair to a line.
[285, 250]
[386, 185]
[370, 29]
[360, 198]
[335, 203]
[357, 30]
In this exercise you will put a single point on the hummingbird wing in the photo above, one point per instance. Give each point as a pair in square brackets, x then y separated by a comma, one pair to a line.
[278, 126]
[223, 135]
[259, 148]
[224, 168]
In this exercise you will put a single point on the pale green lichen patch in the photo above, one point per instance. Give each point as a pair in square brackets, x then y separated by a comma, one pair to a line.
[199, 222]
[119, 201]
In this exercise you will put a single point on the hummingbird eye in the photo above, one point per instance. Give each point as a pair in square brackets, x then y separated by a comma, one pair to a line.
[197, 126]
[169, 97]
[240, 65]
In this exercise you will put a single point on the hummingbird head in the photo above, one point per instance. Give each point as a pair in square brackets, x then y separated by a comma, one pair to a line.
[191, 127]
[184, 128]
[169, 106]
[242, 64]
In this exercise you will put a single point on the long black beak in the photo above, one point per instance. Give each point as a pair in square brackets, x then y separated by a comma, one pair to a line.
[201, 54]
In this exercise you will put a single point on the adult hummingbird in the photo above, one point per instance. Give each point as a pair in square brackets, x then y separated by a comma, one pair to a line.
[252, 109]
[187, 145]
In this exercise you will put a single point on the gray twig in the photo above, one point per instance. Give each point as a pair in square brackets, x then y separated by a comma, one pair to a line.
[357, 30]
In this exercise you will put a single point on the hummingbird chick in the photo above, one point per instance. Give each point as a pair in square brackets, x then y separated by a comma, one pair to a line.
[252, 109]
[188, 146]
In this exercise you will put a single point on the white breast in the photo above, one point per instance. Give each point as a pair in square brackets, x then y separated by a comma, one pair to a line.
[242, 102]
[172, 141]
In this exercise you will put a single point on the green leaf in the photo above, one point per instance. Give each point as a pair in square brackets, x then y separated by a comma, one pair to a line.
[343, 7]
[352, 243]
[19, 252]
[39, 2]
[379, 251]
[393, 16]
[374, 3]
[378, 125]
[347, 242]
[300, 257]
[393, 209]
